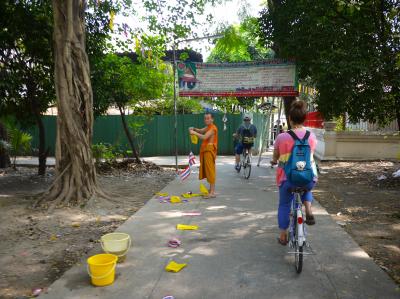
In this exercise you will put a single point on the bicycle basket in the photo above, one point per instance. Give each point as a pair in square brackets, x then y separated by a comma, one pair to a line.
[248, 140]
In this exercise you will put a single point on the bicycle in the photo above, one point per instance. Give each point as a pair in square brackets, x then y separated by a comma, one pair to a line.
[245, 163]
[297, 230]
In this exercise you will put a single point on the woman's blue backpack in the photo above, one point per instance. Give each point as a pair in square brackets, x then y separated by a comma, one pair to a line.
[298, 168]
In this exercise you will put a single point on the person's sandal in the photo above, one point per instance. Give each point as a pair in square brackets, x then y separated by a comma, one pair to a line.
[283, 243]
[310, 220]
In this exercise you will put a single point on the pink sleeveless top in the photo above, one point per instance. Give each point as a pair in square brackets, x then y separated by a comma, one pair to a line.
[284, 143]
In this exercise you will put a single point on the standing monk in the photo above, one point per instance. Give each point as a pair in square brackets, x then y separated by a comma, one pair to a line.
[208, 151]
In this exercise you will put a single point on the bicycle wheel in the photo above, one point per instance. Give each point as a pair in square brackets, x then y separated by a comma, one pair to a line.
[247, 167]
[298, 255]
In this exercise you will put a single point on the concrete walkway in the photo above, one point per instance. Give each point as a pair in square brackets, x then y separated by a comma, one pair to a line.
[234, 254]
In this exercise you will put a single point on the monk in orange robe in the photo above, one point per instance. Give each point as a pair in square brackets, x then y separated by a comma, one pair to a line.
[208, 151]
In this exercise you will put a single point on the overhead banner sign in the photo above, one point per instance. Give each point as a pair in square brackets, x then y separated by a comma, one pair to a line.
[273, 77]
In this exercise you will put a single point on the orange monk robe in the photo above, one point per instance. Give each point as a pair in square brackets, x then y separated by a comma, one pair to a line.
[208, 154]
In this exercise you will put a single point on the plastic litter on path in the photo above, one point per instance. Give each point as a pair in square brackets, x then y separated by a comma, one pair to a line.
[175, 199]
[190, 195]
[36, 292]
[174, 267]
[174, 243]
[171, 199]
[382, 177]
[203, 189]
[162, 194]
[191, 213]
[164, 199]
[186, 227]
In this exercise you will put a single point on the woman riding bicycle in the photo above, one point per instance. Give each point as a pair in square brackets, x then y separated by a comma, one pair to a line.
[282, 150]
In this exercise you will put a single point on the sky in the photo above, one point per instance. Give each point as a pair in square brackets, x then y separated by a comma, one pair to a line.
[226, 13]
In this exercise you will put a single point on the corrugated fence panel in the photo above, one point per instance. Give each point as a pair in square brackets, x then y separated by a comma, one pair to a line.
[49, 122]
[108, 129]
[259, 121]
[159, 139]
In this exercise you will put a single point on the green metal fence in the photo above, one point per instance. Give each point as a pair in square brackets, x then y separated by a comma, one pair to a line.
[259, 122]
[159, 139]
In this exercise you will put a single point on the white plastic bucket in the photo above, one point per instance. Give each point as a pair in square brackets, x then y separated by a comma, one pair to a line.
[116, 243]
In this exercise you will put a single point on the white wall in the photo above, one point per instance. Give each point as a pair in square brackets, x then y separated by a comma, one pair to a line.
[356, 145]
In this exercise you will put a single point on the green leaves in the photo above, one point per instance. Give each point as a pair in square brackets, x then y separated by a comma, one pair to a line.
[240, 43]
[121, 82]
[26, 53]
[348, 49]
[174, 19]
[19, 141]
[26, 59]
[105, 151]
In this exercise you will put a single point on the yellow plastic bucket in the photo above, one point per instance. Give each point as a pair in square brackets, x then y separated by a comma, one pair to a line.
[101, 269]
[194, 139]
[117, 244]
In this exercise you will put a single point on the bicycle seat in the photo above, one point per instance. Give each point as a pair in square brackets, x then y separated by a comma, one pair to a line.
[299, 190]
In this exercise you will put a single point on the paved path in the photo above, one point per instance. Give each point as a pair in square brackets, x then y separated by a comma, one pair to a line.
[234, 254]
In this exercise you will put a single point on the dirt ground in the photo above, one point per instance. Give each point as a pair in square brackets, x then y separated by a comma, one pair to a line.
[367, 208]
[36, 247]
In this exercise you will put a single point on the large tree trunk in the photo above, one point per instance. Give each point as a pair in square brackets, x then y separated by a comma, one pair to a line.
[4, 157]
[75, 181]
[129, 136]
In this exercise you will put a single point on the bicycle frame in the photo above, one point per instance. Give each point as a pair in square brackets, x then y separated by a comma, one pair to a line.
[298, 206]
[245, 163]
[297, 231]
[296, 214]
[243, 156]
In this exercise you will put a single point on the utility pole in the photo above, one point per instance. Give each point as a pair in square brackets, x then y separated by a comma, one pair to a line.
[175, 43]
[175, 108]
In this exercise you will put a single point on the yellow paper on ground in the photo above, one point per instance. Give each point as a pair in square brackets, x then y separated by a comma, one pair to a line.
[175, 199]
[162, 194]
[174, 267]
[196, 194]
[188, 195]
[186, 227]
[203, 189]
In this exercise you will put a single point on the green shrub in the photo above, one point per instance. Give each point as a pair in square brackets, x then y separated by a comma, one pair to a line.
[139, 132]
[105, 151]
[19, 142]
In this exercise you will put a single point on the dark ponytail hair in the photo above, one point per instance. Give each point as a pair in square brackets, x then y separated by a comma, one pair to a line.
[298, 112]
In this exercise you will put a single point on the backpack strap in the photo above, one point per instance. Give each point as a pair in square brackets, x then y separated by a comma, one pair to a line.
[295, 137]
[306, 136]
